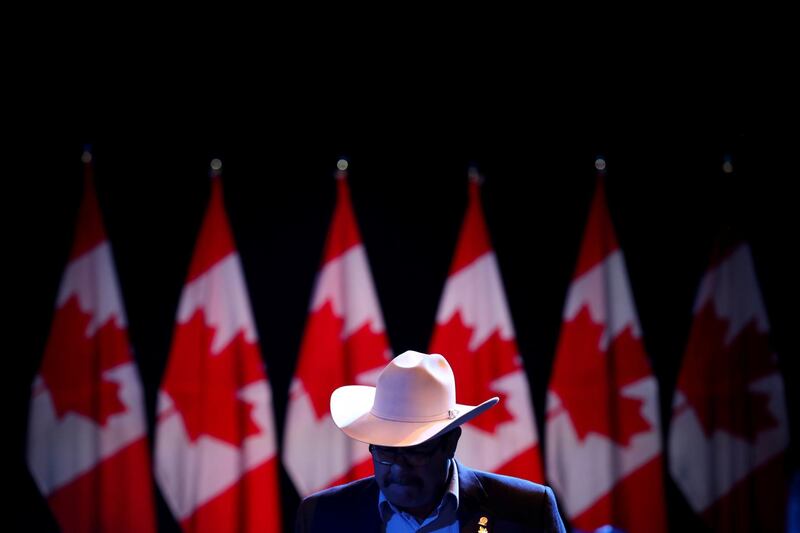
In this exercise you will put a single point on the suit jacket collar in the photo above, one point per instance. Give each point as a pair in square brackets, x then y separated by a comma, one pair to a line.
[368, 519]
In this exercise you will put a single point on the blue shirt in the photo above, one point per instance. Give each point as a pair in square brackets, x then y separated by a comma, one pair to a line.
[444, 519]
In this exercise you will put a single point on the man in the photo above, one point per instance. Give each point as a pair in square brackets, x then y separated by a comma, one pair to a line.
[412, 423]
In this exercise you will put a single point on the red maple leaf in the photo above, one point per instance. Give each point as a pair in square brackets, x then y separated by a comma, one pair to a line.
[205, 386]
[716, 377]
[475, 371]
[73, 364]
[327, 362]
[589, 381]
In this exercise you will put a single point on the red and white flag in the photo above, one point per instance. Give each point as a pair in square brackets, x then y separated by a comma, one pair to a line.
[215, 436]
[729, 430]
[475, 333]
[344, 343]
[87, 432]
[603, 438]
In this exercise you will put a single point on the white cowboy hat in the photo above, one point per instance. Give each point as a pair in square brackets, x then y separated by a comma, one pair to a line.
[414, 401]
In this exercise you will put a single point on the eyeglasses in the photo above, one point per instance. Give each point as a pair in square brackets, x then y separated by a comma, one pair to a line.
[412, 456]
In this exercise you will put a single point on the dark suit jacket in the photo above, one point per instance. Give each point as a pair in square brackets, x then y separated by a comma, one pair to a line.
[510, 504]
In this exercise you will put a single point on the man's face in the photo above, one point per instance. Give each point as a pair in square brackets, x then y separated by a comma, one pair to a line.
[415, 477]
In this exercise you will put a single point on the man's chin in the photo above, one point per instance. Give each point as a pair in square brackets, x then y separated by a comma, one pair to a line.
[407, 496]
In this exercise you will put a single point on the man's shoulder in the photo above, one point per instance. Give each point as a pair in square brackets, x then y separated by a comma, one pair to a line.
[515, 502]
[505, 492]
[346, 491]
[490, 480]
[349, 507]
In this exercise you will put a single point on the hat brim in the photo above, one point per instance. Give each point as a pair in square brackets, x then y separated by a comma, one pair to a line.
[350, 410]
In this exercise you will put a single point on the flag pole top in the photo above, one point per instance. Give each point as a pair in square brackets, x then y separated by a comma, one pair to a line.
[215, 167]
[341, 168]
[473, 175]
[727, 164]
[600, 165]
[86, 156]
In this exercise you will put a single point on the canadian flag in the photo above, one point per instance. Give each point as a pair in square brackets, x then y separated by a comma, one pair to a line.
[603, 438]
[475, 333]
[344, 343]
[729, 429]
[87, 433]
[215, 439]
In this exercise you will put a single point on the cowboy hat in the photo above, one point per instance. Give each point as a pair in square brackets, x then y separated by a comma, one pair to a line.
[414, 401]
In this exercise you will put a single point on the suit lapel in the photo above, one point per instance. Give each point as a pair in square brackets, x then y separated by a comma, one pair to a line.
[472, 510]
[369, 519]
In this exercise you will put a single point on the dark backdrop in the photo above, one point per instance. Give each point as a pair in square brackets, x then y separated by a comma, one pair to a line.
[666, 190]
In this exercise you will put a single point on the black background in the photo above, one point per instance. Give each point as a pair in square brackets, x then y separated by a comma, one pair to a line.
[667, 196]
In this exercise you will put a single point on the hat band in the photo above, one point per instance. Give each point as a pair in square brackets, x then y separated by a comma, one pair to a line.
[450, 414]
